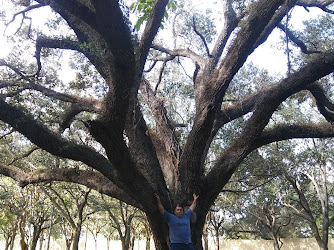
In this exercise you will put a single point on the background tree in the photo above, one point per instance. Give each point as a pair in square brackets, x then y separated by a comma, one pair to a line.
[9, 216]
[133, 142]
[313, 185]
[270, 216]
[38, 215]
[95, 225]
[121, 218]
[71, 202]
[144, 229]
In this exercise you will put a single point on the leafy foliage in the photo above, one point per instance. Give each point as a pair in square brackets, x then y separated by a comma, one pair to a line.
[144, 9]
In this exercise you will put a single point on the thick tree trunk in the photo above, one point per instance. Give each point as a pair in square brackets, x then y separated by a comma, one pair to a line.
[199, 215]
[322, 245]
[159, 230]
[76, 238]
[124, 245]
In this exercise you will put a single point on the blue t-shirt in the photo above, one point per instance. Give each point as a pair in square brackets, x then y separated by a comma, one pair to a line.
[179, 228]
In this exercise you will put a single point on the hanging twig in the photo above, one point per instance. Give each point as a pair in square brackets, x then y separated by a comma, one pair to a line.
[201, 36]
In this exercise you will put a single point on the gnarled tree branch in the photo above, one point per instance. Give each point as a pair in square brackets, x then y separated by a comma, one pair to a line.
[179, 52]
[166, 142]
[296, 40]
[88, 178]
[150, 31]
[285, 132]
[323, 4]
[325, 106]
[201, 36]
[52, 142]
[231, 21]
[265, 106]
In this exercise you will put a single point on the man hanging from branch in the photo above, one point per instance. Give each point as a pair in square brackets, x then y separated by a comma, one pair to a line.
[179, 224]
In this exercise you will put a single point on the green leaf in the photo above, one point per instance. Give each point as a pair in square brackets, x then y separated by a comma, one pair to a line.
[140, 22]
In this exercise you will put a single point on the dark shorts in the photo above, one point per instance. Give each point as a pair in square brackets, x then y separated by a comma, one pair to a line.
[181, 246]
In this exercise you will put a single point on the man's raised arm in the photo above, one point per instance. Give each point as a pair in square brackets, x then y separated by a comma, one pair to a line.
[160, 206]
[193, 205]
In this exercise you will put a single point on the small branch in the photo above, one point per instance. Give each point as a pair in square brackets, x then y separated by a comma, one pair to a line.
[23, 12]
[13, 68]
[24, 155]
[325, 106]
[44, 42]
[181, 52]
[201, 36]
[62, 209]
[152, 66]
[316, 186]
[248, 190]
[306, 211]
[287, 40]
[10, 132]
[150, 31]
[330, 219]
[231, 21]
[296, 40]
[316, 3]
[160, 77]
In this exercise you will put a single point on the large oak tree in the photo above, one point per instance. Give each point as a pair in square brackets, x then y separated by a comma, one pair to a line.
[137, 160]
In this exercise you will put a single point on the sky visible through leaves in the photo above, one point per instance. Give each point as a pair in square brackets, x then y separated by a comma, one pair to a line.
[267, 56]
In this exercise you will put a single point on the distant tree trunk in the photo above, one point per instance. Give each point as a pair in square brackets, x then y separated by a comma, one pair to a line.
[322, 193]
[41, 241]
[95, 240]
[322, 245]
[23, 244]
[277, 245]
[217, 238]
[50, 230]
[76, 237]
[148, 242]
[108, 243]
[35, 236]
[10, 239]
[86, 237]
[68, 242]
[205, 237]
[132, 245]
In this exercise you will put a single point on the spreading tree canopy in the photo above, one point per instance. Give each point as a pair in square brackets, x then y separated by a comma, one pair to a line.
[130, 138]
